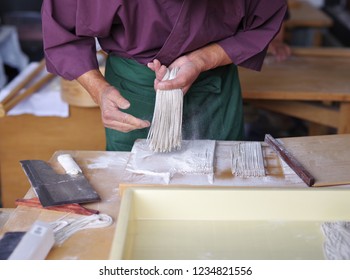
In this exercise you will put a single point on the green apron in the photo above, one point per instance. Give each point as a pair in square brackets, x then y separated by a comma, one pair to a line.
[212, 107]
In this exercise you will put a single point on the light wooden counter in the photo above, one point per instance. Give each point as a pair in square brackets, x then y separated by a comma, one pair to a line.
[313, 85]
[104, 170]
[291, 87]
[29, 137]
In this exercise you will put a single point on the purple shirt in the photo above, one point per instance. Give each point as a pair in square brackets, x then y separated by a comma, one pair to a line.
[164, 29]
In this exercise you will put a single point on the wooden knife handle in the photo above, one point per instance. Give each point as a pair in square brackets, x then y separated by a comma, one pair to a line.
[290, 160]
[71, 208]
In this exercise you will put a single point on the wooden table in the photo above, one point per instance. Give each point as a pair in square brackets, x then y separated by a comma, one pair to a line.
[104, 170]
[312, 85]
[286, 87]
[304, 15]
[30, 137]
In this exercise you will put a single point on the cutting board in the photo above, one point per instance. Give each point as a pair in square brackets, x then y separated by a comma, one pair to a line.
[327, 158]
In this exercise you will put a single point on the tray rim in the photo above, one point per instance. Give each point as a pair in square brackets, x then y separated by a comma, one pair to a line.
[120, 236]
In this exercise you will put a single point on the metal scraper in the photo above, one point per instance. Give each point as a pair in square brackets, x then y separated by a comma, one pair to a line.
[57, 189]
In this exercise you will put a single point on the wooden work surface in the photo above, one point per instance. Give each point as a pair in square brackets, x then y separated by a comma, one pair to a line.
[280, 87]
[293, 86]
[30, 137]
[104, 170]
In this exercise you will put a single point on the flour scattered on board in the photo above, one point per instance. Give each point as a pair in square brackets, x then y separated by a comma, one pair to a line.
[194, 157]
[106, 161]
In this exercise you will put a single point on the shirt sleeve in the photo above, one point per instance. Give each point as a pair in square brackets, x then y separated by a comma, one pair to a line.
[67, 54]
[260, 24]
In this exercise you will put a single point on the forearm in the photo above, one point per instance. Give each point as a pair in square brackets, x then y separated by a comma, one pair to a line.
[209, 57]
[280, 35]
[94, 82]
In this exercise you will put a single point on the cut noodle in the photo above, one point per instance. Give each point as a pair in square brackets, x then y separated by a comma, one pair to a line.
[247, 160]
[165, 133]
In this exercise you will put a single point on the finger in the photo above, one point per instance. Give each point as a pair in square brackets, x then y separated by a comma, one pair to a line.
[126, 118]
[124, 122]
[161, 72]
[154, 65]
[185, 89]
[122, 127]
[112, 96]
[150, 65]
[160, 75]
[176, 83]
[126, 127]
[122, 103]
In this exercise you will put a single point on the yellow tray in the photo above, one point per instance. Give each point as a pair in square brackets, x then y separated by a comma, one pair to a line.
[226, 223]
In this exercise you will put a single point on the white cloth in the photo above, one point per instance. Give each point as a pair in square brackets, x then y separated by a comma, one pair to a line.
[10, 52]
[316, 3]
[46, 102]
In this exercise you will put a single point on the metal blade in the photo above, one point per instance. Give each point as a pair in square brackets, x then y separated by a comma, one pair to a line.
[57, 189]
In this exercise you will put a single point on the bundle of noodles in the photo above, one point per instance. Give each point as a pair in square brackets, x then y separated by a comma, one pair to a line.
[248, 160]
[165, 133]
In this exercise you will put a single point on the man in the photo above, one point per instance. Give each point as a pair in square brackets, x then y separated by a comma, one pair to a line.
[206, 39]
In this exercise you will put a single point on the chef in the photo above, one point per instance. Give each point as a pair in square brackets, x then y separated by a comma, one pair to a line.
[205, 39]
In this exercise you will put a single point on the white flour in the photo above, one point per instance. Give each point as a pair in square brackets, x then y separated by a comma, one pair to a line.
[194, 157]
[107, 161]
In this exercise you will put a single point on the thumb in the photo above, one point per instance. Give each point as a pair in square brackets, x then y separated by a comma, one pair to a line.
[121, 102]
[114, 95]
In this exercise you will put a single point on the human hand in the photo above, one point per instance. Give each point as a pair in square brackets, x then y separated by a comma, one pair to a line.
[187, 74]
[111, 101]
[279, 50]
[190, 66]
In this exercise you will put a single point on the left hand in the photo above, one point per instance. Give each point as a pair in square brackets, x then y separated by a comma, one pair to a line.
[190, 66]
[279, 50]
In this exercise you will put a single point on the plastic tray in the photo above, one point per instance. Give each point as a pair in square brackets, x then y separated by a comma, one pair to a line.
[226, 223]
